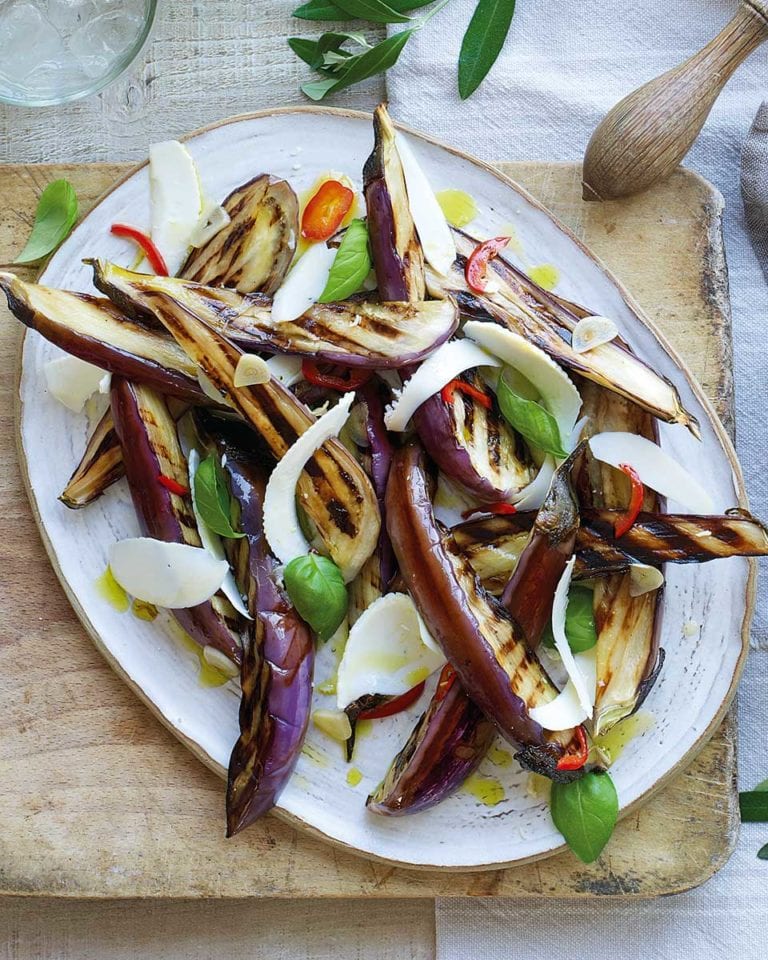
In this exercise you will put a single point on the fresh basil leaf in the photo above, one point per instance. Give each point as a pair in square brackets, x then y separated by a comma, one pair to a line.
[317, 590]
[580, 627]
[328, 10]
[376, 60]
[762, 853]
[212, 497]
[585, 812]
[54, 218]
[754, 806]
[374, 11]
[530, 419]
[351, 266]
[482, 42]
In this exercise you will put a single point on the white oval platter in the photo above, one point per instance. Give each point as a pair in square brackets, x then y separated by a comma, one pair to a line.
[700, 673]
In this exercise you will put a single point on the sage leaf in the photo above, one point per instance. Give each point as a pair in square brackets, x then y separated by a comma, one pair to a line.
[328, 10]
[360, 67]
[212, 497]
[351, 266]
[306, 50]
[530, 419]
[317, 590]
[54, 218]
[580, 629]
[482, 42]
[374, 11]
[754, 806]
[763, 785]
[762, 853]
[585, 812]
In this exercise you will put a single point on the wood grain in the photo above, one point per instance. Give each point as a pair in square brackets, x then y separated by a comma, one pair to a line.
[646, 135]
[98, 800]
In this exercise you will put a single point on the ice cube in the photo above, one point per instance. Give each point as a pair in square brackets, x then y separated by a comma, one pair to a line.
[27, 40]
[68, 15]
[99, 42]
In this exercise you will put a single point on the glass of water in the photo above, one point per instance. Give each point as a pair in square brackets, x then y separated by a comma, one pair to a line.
[52, 51]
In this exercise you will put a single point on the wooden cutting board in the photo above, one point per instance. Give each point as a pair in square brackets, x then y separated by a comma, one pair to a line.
[97, 799]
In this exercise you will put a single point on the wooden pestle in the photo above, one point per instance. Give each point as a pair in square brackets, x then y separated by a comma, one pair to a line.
[645, 136]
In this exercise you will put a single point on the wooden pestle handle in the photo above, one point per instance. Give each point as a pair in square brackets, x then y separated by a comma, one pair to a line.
[647, 134]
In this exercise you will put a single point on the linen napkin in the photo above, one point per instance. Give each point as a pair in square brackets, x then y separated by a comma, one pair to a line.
[565, 63]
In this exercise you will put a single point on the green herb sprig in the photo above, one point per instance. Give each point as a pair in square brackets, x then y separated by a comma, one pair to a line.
[528, 417]
[54, 218]
[212, 497]
[352, 264]
[340, 67]
[580, 629]
[317, 590]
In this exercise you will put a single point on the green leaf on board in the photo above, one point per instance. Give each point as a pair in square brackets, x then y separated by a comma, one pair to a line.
[585, 812]
[54, 218]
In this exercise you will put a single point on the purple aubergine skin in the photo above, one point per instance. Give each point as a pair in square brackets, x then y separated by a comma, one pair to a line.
[108, 357]
[445, 747]
[382, 451]
[435, 427]
[389, 267]
[277, 670]
[422, 551]
[158, 512]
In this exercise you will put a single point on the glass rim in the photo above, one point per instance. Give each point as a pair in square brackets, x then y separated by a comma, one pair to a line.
[118, 68]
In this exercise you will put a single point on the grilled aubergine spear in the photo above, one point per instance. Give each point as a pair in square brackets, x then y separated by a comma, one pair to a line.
[492, 544]
[355, 333]
[333, 490]
[472, 443]
[96, 331]
[445, 747]
[150, 445]
[395, 248]
[547, 321]
[101, 466]
[254, 250]
[278, 653]
[482, 643]
[628, 628]
[530, 591]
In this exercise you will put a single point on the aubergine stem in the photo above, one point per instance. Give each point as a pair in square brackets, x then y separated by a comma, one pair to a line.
[333, 490]
[529, 594]
[357, 333]
[95, 330]
[548, 322]
[483, 645]
[147, 435]
[254, 250]
[278, 655]
[445, 747]
[397, 255]
[100, 466]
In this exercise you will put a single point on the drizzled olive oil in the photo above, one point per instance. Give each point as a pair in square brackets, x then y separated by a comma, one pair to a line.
[354, 776]
[459, 208]
[208, 676]
[615, 740]
[143, 610]
[111, 591]
[488, 790]
[499, 757]
[546, 275]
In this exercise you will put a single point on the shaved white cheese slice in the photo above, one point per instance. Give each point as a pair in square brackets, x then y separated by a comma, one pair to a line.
[250, 370]
[584, 692]
[305, 282]
[71, 381]
[450, 501]
[281, 521]
[385, 652]
[655, 468]
[177, 201]
[434, 233]
[532, 496]
[212, 541]
[643, 578]
[554, 386]
[172, 575]
[285, 369]
[444, 365]
[567, 710]
[213, 219]
[591, 332]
